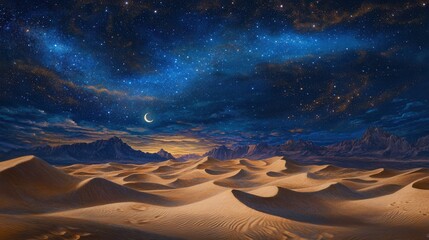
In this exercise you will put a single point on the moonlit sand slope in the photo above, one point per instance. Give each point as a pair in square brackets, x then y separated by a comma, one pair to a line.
[210, 199]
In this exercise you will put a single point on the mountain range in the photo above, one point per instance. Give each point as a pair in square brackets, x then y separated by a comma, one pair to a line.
[375, 143]
[110, 150]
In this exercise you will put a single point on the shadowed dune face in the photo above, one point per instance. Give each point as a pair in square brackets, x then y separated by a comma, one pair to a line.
[235, 199]
[422, 184]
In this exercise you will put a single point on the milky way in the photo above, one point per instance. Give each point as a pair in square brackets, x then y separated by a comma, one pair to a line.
[211, 72]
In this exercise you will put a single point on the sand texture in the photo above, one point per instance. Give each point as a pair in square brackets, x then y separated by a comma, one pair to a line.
[209, 199]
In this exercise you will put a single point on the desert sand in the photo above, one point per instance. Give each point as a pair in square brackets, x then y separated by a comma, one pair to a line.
[273, 198]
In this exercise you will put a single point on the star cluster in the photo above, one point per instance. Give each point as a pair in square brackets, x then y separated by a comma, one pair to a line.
[211, 72]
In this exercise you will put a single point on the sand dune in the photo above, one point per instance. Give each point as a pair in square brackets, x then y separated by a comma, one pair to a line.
[210, 199]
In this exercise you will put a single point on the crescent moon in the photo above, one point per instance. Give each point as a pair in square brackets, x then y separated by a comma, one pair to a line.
[146, 119]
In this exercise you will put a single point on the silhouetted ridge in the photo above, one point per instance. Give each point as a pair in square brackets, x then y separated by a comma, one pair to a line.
[375, 142]
[109, 150]
[165, 154]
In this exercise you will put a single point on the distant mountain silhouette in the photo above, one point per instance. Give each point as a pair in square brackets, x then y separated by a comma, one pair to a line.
[165, 154]
[301, 147]
[422, 146]
[110, 150]
[375, 142]
[257, 151]
[221, 153]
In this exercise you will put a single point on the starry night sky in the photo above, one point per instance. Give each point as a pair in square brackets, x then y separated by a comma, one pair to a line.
[211, 72]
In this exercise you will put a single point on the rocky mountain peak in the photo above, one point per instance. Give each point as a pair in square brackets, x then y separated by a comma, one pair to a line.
[114, 139]
[375, 134]
[423, 142]
[222, 152]
[165, 154]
